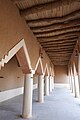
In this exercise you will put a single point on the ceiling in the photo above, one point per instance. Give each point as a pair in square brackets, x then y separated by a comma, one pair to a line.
[55, 24]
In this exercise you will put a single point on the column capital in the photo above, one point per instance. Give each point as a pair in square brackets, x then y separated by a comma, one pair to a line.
[29, 75]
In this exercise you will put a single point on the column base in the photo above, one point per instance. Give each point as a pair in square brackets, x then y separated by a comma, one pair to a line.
[26, 116]
[46, 94]
[41, 101]
[76, 96]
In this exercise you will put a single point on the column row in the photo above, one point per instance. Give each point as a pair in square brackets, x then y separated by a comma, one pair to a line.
[45, 86]
[74, 78]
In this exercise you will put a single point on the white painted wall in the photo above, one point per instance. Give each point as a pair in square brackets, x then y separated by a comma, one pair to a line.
[5, 95]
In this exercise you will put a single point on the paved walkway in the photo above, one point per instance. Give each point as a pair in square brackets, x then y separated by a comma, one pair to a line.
[59, 105]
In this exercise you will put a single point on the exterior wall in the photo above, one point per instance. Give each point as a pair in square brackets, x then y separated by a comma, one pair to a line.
[13, 28]
[61, 74]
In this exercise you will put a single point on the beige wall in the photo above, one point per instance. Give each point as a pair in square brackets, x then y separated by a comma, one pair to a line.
[12, 76]
[61, 74]
[13, 28]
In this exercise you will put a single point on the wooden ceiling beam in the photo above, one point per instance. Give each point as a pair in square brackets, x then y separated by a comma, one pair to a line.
[65, 41]
[65, 51]
[50, 21]
[64, 57]
[68, 56]
[54, 44]
[45, 7]
[58, 32]
[60, 58]
[59, 47]
[60, 62]
[17, 1]
[60, 39]
[55, 58]
[59, 51]
[59, 55]
[61, 36]
[56, 26]
[64, 64]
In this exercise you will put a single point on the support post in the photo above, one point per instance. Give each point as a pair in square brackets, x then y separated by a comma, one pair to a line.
[41, 88]
[72, 79]
[27, 96]
[76, 83]
[79, 72]
[50, 81]
[46, 86]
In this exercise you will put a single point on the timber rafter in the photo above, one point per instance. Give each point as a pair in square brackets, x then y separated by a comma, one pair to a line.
[58, 32]
[50, 21]
[55, 24]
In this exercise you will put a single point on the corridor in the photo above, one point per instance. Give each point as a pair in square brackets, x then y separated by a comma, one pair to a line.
[59, 105]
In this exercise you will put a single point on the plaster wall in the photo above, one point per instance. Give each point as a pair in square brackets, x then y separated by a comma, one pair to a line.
[11, 76]
[13, 28]
[61, 74]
